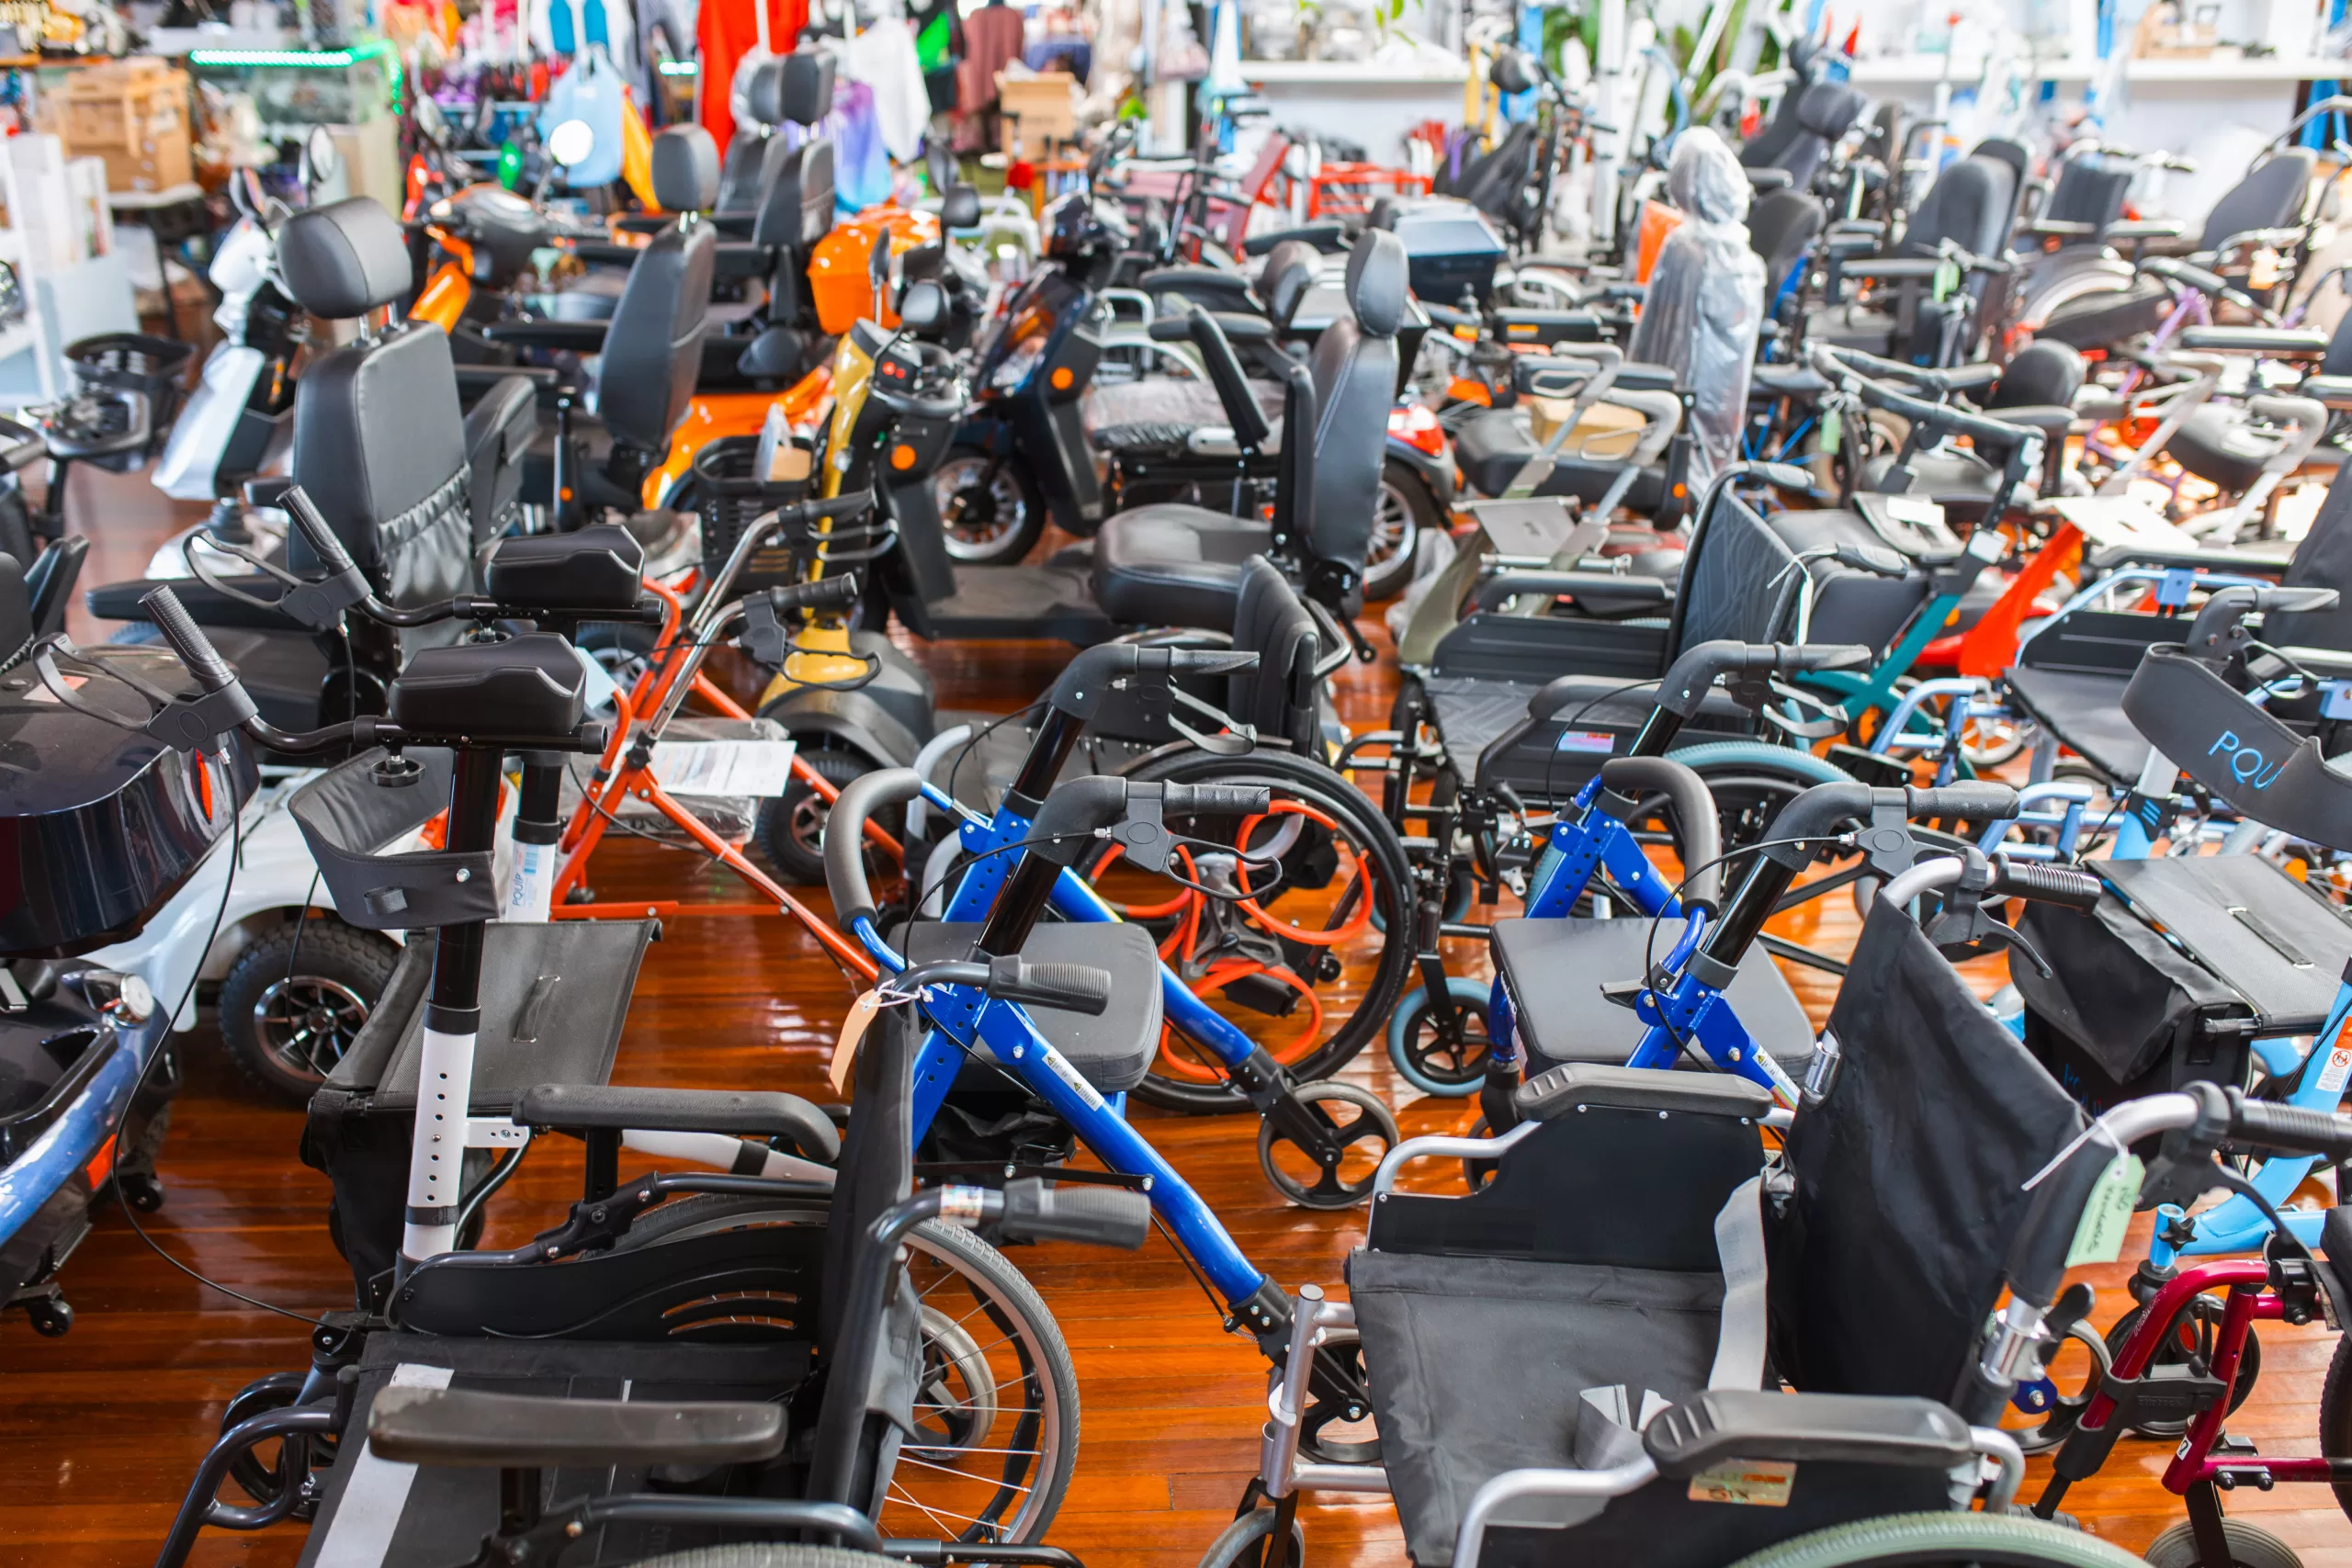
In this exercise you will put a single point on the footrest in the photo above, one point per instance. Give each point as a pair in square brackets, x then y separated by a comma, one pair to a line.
[1748, 1424]
[576, 1107]
[463, 1426]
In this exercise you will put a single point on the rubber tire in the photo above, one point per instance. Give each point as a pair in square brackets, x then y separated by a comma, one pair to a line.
[1012, 547]
[1245, 1534]
[2249, 1547]
[769, 1554]
[2335, 1415]
[1423, 516]
[1054, 1359]
[1402, 1024]
[798, 865]
[2003, 1539]
[2249, 1365]
[358, 961]
[1373, 832]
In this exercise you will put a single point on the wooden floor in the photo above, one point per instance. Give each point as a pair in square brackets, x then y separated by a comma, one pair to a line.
[100, 1430]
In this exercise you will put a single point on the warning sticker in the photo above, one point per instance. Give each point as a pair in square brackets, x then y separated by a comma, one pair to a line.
[1590, 743]
[1058, 1065]
[1752, 1482]
[2337, 1070]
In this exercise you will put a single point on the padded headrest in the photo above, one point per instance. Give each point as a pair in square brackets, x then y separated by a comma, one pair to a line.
[686, 169]
[344, 259]
[1376, 282]
[764, 91]
[1290, 271]
[805, 87]
[1828, 109]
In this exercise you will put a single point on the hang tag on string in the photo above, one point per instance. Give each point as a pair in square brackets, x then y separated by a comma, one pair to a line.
[2099, 1237]
[853, 1027]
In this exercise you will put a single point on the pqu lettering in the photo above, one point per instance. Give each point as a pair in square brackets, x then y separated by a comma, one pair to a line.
[2247, 764]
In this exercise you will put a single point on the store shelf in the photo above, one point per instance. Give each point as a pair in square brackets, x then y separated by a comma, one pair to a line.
[1927, 70]
[1339, 74]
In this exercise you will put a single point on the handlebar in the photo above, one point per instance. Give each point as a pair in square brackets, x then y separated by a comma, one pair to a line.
[1686, 682]
[2214, 633]
[1840, 364]
[1216, 800]
[2288, 1129]
[323, 541]
[1973, 800]
[1083, 683]
[187, 639]
[1073, 987]
[836, 593]
[1103, 1216]
[1694, 808]
[2063, 885]
[1821, 814]
[845, 835]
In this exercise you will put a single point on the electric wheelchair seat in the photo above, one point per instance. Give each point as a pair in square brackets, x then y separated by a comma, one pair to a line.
[1972, 205]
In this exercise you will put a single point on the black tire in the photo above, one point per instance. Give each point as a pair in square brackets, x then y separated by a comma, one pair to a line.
[2189, 1338]
[1031, 1360]
[769, 1554]
[975, 490]
[2335, 1416]
[1243, 1542]
[621, 649]
[1381, 854]
[791, 827]
[1917, 1541]
[2249, 1547]
[292, 1003]
[1405, 511]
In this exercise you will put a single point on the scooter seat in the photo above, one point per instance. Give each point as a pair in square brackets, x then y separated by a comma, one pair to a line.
[2223, 445]
[527, 688]
[1172, 565]
[2085, 711]
[1960, 482]
[2099, 320]
[1170, 402]
[1554, 968]
[1490, 448]
[1111, 1052]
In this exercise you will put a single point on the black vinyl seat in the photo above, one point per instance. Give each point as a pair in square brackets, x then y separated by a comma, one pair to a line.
[527, 687]
[1111, 1052]
[602, 567]
[1491, 447]
[1972, 205]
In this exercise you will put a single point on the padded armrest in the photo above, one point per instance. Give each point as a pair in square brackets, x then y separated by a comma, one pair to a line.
[2146, 228]
[2174, 270]
[1452, 320]
[2059, 229]
[1769, 178]
[579, 1106]
[1874, 227]
[475, 380]
[1238, 328]
[643, 222]
[2336, 391]
[606, 253]
[2276, 343]
[1562, 1089]
[1328, 237]
[1893, 269]
[1788, 381]
[1585, 587]
[1633, 378]
[204, 604]
[1722, 1424]
[516, 1431]
[1970, 378]
[735, 225]
[2051, 419]
[1851, 247]
[740, 258]
[579, 337]
[2186, 560]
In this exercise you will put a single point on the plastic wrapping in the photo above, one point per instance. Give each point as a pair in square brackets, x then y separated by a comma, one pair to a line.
[1706, 297]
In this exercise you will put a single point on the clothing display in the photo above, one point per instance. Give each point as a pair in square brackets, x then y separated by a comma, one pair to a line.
[726, 30]
[883, 58]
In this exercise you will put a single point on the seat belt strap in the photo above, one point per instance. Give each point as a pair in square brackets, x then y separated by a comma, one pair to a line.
[1739, 1247]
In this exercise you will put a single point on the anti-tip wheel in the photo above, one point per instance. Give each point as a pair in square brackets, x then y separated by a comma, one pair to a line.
[1357, 1132]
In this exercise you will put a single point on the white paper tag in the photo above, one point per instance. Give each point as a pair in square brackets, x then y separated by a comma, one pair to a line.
[2099, 1237]
[861, 1013]
[1917, 510]
[602, 687]
[2337, 1069]
[759, 769]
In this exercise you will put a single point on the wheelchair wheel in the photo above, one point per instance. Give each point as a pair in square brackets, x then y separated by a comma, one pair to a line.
[996, 1402]
[1361, 1131]
[1426, 1061]
[768, 1554]
[2335, 1416]
[1918, 1541]
[2189, 1341]
[1296, 961]
[2250, 1547]
[1243, 1544]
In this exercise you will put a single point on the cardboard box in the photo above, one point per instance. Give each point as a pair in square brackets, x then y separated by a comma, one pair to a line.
[134, 115]
[1046, 108]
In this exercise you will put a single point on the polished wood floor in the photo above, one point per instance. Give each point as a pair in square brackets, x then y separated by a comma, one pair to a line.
[100, 1430]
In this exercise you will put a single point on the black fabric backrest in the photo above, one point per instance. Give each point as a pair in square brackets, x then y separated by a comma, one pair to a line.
[686, 169]
[763, 92]
[1739, 580]
[1910, 1175]
[1782, 226]
[742, 177]
[2044, 373]
[2011, 155]
[1764, 149]
[2090, 190]
[2324, 559]
[2271, 196]
[876, 1159]
[795, 194]
[1825, 111]
[344, 259]
[17, 628]
[378, 444]
[1289, 272]
[1969, 205]
[654, 347]
[499, 430]
[804, 87]
[1278, 696]
[1354, 372]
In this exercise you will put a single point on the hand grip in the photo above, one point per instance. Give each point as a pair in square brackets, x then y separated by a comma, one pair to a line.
[187, 639]
[845, 834]
[1072, 987]
[1784, 476]
[825, 593]
[1874, 558]
[1216, 800]
[1695, 812]
[1210, 660]
[322, 540]
[1979, 800]
[1791, 657]
[2291, 1129]
[1100, 1217]
[2063, 885]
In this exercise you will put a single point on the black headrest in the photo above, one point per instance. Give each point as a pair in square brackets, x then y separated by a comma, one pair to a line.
[344, 259]
[804, 88]
[1828, 109]
[763, 92]
[1290, 271]
[1376, 282]
[686, 169]
[1383, 214]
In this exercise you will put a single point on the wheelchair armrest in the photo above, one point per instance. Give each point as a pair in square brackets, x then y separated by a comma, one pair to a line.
[644, 222]
[2186, 560]
[204, 604]
[606, 253]
[580, 1106]
[2057, 229]
[1721, 1424]
[1452, 320]
[579, 337]
[740, 258]
[1328, 237]
[1871, 228]
[511, 1432]
[1631, 378]
[2276, 343]
[2051, 419]
[1769, 178]
[473, 381]
[1893, 269]
[1788, 381]
[1558, 1090]
[1585, 587]
[1851, 247]
[2136, 228]
[2336, 391]
[1239, 328]
[267, 490]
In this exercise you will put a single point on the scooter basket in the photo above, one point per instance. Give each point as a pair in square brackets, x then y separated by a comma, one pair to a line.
[731, 500]
[156, 367]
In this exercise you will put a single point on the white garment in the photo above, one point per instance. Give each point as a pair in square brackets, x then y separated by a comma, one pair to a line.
[620, 29]
[883, 57]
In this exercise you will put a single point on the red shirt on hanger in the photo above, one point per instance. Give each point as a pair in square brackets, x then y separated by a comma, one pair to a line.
[727, 30]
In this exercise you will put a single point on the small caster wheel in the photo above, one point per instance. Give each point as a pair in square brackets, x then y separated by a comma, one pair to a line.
[1349, 1129]
[1449, 1068]
[51, 1316]
[140, 1190]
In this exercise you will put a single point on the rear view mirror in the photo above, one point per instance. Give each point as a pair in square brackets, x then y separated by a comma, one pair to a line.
[961, 208]
[321, 162]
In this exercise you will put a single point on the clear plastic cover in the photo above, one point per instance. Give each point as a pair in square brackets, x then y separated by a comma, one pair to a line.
[1705, 303]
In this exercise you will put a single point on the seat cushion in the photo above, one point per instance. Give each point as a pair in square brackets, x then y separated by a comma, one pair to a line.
[525, 688]
[2099, 321]
[1960, 482]
[2222, 445]
[1490, 448]
[1172, 565]
[2085, 711]
[1478, 1365]
[1555, 967]
[1170, 400]
[1111, 1052]
[594, 568]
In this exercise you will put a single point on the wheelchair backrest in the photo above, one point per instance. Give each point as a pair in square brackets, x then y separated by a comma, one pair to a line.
[2271, 197]
[1278, 696]
[1910, 1177]
[2324, 559]
[1739, 580]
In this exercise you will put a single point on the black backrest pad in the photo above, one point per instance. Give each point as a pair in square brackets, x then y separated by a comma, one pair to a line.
[1910, 1176]
[377, 435]
[805, 87]
[1278, 696]
[344, 259]
[1354, 369]
[686, 169]
[796, 193]
[2043, 373]
[1969, 205]
[1737, 580]
[2271, 197]
[1290, 271]
[653, 347]
[2323, 561]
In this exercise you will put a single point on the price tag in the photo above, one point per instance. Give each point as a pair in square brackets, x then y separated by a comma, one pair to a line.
[1833, 427]
[853, 1027]
[2099, 1239]
[1947, 279]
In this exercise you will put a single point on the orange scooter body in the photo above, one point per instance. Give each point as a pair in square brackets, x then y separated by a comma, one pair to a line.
[714, 415]
[840, 278]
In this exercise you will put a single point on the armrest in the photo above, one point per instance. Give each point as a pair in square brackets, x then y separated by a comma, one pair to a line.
[2058, 229]
[2186, 560]
[2174, 270]
[1238, 328]
[2051, 419]
[1788, 381]
[206, 606]
[1769, 178]
[580, 1106]
[1631, 378]
[514, 1431]
[1874, 227]
[606, 253]
[1328, 237]
[267, 490]
[476, 380]
[2276, 343]
[2132, 229]
[739, 258]
[579, 337]
[1893, 269]
[1585, 587]
[1857, 1428]
[2336, 391]
[1452, 320]
[735, 225]
[1559, 1091]
[1970, 379]
[643, 222]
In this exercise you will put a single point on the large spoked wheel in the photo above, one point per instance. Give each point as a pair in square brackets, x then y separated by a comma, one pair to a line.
[2190, 1342]
[996, 1402]
[1293, 958]
[1934, 1541]
[989, 505]
[1331, 1164]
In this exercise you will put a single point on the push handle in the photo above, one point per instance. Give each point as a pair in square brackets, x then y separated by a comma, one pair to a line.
[187, 639]
[1087, 680]
[1216, 800]
[1977, 800]
[845, 835]
[1072, 987]
[1877, 559]
[1098, 1216]
[2289, 1129]
[1210, 660]
[1686, 682]
[2063, 885]
[825, 593]
[1694, 808]
[323, 541]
